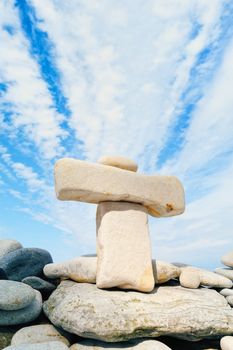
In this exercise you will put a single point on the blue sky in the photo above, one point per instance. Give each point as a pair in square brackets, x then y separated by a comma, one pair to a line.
[149, 80]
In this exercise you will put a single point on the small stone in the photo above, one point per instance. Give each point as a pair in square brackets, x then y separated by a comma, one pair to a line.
[130, 345]
[53, 345]
[123, 247]
[227, 259]
[15, 295]
[230, 300]
[81, 269]
[27, 314]
[119, 162]
[24, 262]
[226, 343]
[227, 272]
[164, 271]
[39, 284]
[226, 292]
[190, 279]
[38, 334]
[7, 246]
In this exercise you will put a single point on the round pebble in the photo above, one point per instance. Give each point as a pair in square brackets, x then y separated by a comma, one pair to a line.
[190, 279]
[226, 292]
[15, 295]
[227, 259]
[226, 343]
[119, 162]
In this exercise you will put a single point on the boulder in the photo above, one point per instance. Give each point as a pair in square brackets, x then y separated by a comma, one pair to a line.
[24, 262]
[15, 295]
[7, 246]
[226, 272]
[27, 314]
[43, 333]
[53, 345]
[130, 345]
[227, 259]
[112, 315]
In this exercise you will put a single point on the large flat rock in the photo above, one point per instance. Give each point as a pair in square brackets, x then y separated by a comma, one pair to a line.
[93, 183]
[113, 315]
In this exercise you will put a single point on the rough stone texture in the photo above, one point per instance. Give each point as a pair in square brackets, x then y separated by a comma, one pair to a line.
[164, 271]
[53, 345]
[93, 183]
[24, 262]
[230, 300]
[131, 345]
[226, 292]
[226, 343]
[119, 162]
[39, 284]
[27, 314]
[208, 278]
[38, 334]
[226, 272]
[8, 245]
[227, 259]
[123, 247]
[15, 295]
[112, 315]
[190, 279]
[81, 269]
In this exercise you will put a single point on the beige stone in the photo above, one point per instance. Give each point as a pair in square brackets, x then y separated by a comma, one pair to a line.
[38, 334]
[227, 259]
[112, 316]
[81, 269]
[226, 292]
[119, 162]
[164, 271]
[226, 272]
[190, 279]
[131, 345]
[230, 300]
[52, 345]
[208, 278]
[123, 247]
[93, 183]
[226, 343]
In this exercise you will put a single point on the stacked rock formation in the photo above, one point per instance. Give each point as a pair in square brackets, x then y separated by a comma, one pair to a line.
[227, 272]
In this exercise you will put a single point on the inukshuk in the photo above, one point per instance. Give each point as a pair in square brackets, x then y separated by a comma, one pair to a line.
[124, 200]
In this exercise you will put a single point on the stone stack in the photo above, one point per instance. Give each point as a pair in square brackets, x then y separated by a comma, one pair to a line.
[227, 272]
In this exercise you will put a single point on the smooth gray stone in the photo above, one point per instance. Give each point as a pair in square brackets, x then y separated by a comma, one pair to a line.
[53, 345]
[113, 315]
[15, 295]
[27, 314]
[224, 271]
[8, 245]
[39, 284]
[226, 292]
[24, 262]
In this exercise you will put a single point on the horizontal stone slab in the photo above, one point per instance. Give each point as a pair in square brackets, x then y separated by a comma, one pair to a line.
[112, 315]
[82, 181]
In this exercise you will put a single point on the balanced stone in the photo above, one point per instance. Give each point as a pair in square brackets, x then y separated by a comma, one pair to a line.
[38, 334]
[81, 269]
[8, 245]
[119, 162]
[190, 280]
[123, 247]
[112, 316]
[227, 272]
[24, 262]
[130, 345]
[226, 343]
[27, 314]
[53, 345]
[227, 259]
[39, 284]
[93, 183]
[15, 295]
[207, 278]
[226, 292]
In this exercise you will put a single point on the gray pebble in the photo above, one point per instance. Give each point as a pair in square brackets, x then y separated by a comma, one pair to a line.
[15, 295]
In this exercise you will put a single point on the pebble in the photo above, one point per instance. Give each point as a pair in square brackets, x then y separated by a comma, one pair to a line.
[190, 279]
[53, 345]
[23, 262]
[164, 271]
[119, 162]
[15, 295]
[38, 334]
[230, 300]
[39, 284]
[226, 343]
[227, 272]
[226, 292]
[8, 245]
[27, 314]
[131, 345]
[227, 259]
